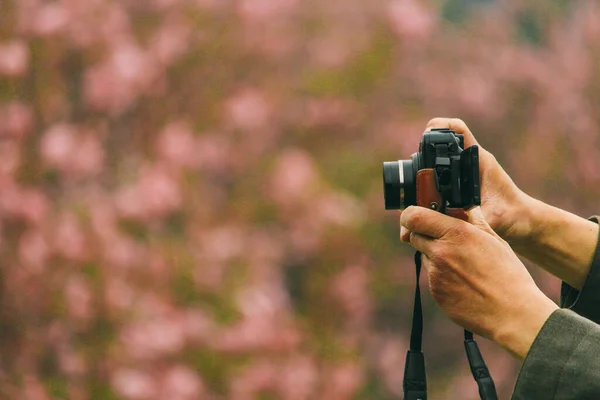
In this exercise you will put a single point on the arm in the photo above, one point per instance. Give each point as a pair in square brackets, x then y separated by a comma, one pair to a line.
[562, 243]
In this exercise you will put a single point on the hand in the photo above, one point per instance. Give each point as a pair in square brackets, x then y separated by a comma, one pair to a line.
[504, 206]
[476, 278]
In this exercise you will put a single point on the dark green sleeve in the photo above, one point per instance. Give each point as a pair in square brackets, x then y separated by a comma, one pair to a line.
[564, 360]
[587, 301]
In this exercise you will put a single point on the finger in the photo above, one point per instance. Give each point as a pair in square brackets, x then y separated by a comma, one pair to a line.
[426, 262]
[477, 218]
[429, 223]
[404, 234]
[421, 243]
[455, 124]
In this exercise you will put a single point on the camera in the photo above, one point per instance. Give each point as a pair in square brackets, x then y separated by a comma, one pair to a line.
[442, 174]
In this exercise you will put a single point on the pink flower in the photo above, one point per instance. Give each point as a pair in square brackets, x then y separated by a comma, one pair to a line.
[128, 73]
[299, 378]
[17, 119]
[72, 151]
[351, 289]
[154, 338]
[343, 381]
[172, 41]
[133, 384]
[181, 383]
[33, 251]
[69, 239]
[248, 109]
[176, 145]
[266, 10]
[49, 19]
[255, 378]
[14, 58]
[157, 193]
[410, 18]
[78, 295]
[294, 177]
[29, 204]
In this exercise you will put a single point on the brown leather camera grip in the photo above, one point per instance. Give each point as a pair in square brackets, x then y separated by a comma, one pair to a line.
[427, 193]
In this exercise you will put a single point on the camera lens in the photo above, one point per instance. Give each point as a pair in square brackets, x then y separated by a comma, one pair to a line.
[399, 189]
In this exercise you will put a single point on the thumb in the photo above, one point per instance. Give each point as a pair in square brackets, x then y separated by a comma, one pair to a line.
[474, 216]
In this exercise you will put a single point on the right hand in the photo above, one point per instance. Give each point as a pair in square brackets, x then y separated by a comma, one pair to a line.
[504, 206]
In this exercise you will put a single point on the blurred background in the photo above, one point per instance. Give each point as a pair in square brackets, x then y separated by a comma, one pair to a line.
[190, 190]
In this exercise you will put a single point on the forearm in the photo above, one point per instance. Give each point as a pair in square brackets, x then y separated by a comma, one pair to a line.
[560, 242]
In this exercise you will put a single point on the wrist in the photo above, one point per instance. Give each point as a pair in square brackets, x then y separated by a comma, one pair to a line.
[518, 332]
[527, 224]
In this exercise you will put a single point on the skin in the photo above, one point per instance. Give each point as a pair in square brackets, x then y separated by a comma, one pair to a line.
[474, 274]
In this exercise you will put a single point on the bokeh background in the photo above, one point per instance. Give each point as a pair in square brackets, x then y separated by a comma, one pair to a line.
[190, 190]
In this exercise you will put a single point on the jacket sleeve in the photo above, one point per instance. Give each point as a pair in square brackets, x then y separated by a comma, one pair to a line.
[564, 360]
[587, 301]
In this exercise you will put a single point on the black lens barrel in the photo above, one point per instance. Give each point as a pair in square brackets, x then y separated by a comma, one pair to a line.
[392, 185]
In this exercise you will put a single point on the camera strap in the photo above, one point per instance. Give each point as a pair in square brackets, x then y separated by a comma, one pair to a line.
[415, 380]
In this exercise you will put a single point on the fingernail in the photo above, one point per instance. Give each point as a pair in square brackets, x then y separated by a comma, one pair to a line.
[402, 233]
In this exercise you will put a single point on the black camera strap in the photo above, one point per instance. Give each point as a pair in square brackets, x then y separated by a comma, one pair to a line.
[415, 380]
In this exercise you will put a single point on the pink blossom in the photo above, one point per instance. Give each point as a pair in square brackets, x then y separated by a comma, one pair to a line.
[14, 58]
[263, 302]
[119, 295]
[123, 253]
[332, 111]
[410, 18]
[181, 383]
[154, 338]
[351, 289]
[344, 380]
[248, 109]
[294, 177]
[69, 239]
[252, 380]
[33, 389]
[10, 158]
[257, 333]
[171, 41]
[176, 145]
[128, 73]
[33, 251]
[156, 193]
[338, 208]
[26, 203]
[390, 361]
[223, 243]
[299, 378]
[214, 152]
[17, 119]
[133, 384]
[78, 295]
[49, 19]
[72, 151]
[265, 10]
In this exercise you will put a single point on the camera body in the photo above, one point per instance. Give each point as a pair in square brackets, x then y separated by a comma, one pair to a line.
[442, 174]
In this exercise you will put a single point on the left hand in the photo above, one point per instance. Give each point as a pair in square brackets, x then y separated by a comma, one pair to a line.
[476, 278]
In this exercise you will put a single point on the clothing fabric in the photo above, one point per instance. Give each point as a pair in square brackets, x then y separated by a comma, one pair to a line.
[564, 360]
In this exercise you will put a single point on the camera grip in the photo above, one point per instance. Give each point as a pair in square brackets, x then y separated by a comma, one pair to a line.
[427, 193]
[429, 197]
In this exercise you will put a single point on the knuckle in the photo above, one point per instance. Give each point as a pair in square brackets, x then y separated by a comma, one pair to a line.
[460, 233]
[410, 217]
[458, 123]
[437, 122]
[440, 255]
